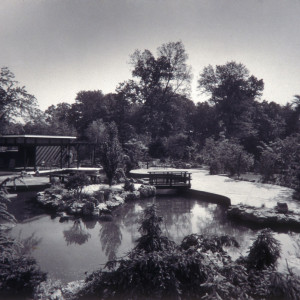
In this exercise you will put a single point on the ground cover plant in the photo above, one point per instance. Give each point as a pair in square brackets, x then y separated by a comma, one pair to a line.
[198, 268]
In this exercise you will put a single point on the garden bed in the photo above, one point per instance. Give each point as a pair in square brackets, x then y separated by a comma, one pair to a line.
[96, 201]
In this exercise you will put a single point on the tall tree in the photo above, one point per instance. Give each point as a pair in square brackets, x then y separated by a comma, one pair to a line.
[157, 81]
[233, 91]
[293, 116]
[205, 122]
[59, 119]
[269, 121]
[15, 101]
[90, 106]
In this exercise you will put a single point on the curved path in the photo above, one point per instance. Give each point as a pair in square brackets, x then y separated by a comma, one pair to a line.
[250, 193]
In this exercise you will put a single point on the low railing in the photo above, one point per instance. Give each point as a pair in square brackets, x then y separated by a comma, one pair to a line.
[170, 179]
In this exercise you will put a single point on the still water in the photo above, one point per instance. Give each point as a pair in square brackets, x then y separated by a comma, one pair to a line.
[66, 251]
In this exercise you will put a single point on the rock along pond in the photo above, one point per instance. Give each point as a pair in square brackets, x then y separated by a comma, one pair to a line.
[67, 250]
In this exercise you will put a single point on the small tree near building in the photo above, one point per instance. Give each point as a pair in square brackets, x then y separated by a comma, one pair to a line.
[110, 151]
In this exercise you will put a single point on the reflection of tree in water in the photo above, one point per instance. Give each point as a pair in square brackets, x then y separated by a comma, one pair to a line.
[111, 238]
[27, 245]
[296, 242]
[176, 213]
[76, 234]
[89, 223]
[215, 222]
[129, 215]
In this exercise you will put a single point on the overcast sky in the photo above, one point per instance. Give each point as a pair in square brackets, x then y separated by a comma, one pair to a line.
[57, 48]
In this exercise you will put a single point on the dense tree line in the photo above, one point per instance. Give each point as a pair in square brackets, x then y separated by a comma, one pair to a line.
[153, 111]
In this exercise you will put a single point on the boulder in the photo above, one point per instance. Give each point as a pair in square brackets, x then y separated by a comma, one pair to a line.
[282, 207]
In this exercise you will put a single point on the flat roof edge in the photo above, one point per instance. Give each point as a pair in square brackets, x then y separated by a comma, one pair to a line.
[39, 136]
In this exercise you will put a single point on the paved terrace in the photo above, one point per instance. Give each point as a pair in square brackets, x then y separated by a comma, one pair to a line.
[29, 180]
[251, 193]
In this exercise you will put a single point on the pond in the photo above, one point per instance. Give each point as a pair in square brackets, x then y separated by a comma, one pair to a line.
[68, 250]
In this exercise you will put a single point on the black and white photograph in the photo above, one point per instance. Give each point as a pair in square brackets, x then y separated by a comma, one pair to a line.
[149, 149]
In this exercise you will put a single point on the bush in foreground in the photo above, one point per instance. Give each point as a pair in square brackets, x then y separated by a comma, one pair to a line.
[19, 274]
[198, 268]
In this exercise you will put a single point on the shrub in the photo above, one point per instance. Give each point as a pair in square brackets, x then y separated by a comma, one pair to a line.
[226, 156]
[152, 239]
[199, 268]
[264, 252]
[19, 276]
[76, 183]
[206, 243]
[128, 186]
[110, 151]
[159, 269]
[280, 161]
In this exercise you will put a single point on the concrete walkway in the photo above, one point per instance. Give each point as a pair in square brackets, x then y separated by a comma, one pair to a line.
[30, 180]
[251, 193]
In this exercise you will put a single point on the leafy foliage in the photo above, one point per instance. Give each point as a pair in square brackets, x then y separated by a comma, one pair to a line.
[264, 252]
[19, 274]
[198, 268]
[152, 239]
[110, 151]
[76, 234]
[226, 156]
[280, 161]
[77, 182]
[15, 101]
[205, 243]
[7, 245]
[233, 91]
[157, 82]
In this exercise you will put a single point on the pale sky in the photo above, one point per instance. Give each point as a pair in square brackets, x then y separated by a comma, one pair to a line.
[57, 48]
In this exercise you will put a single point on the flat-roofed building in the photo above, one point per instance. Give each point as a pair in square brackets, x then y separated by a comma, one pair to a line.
[33, 151]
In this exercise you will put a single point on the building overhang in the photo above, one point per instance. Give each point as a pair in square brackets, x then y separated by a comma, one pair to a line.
[36, 140]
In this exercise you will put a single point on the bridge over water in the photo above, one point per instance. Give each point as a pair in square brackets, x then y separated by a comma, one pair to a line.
[170, 180]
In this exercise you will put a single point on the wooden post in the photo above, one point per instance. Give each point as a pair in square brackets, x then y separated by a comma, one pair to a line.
[25, 158]
[68, 155]
[25, 155]
[94, 155]
[77, 150]
[61, 156]
[35, 167]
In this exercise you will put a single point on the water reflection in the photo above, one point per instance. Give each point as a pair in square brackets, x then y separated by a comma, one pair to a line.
[28, 244]
[90, 223]
[76, 234]
[58, 251]
[111, 239]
